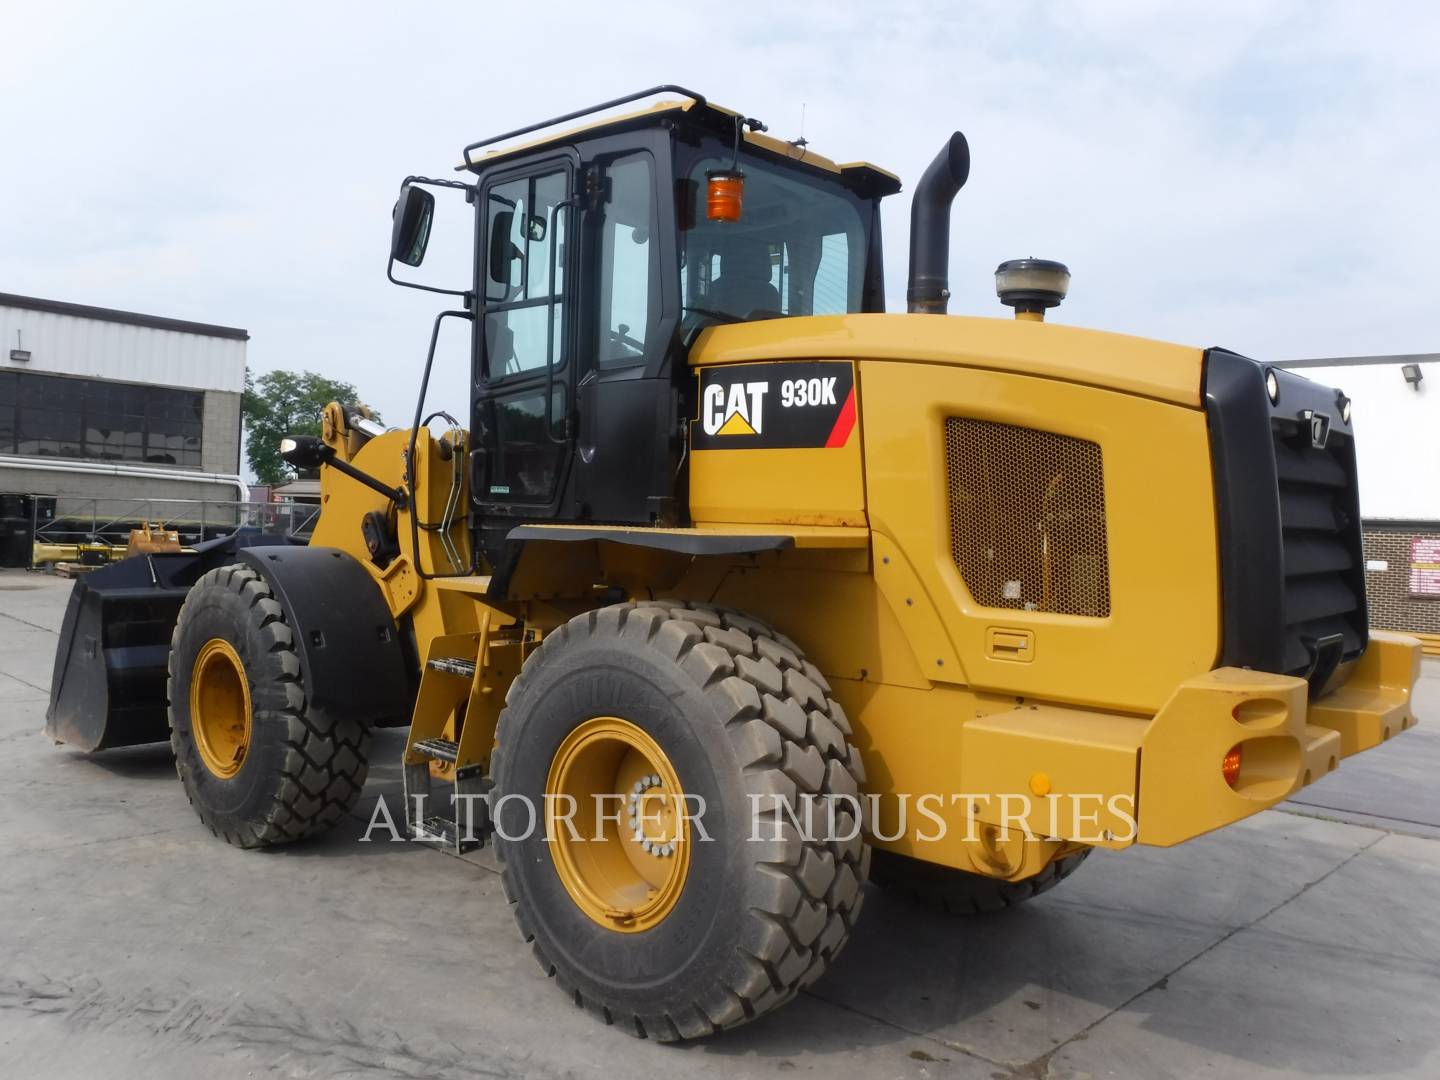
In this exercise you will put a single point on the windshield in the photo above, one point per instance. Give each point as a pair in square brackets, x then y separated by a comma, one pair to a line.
[798, 248]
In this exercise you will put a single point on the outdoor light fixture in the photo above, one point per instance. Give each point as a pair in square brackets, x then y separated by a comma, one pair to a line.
[305, 451]
[311, 451]
[1031, 285]
[1343, 403]
[1272, 386]
[1412, 374]
[19, 352]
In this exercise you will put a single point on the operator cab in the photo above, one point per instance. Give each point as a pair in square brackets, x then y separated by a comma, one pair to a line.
[600, 255]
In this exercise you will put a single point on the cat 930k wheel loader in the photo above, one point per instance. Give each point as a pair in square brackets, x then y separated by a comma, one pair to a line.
[733, 578]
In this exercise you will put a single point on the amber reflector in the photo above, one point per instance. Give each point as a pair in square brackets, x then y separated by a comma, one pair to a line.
[1230, 767]
[723, 195]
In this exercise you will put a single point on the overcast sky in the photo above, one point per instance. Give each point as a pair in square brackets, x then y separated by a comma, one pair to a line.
[1258, 175]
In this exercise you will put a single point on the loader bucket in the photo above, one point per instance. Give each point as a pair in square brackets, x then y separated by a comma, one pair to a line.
[111, 666]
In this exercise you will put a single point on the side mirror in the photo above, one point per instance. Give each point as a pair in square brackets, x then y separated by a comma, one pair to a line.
[535, 228]
[410, 232]
[502, 252]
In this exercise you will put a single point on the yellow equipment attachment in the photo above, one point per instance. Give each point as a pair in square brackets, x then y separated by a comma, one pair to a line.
[151, 538]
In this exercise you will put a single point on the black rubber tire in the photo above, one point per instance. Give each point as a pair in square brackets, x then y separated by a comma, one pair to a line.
[302, 771]
[738, 710]
[958, 892]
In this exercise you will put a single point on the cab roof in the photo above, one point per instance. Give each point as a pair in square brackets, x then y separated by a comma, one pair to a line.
[691, 105]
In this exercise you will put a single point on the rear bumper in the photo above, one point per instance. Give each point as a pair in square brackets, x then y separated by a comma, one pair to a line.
[1159, 781]
[1286, 741]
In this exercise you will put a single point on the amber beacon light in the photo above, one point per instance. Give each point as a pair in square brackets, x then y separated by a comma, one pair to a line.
[725, 191]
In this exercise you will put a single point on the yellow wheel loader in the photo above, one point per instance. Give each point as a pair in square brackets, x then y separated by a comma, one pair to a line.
[733, 578]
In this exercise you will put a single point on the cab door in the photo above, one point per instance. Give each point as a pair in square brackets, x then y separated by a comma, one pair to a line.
[525, 341]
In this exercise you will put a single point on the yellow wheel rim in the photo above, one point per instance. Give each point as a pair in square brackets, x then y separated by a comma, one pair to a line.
[624, 851]
[220, 708]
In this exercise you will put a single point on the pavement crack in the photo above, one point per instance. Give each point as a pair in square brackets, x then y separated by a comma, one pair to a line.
[1039, 1068]
[946, 1043]
[1371, 820]
[27, 622]
[26, 682]
[60, 845]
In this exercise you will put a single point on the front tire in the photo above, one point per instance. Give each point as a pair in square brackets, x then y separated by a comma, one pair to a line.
[726, 709]
[258, 766]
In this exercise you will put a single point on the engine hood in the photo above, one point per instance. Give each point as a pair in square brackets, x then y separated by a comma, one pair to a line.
[1132, 365]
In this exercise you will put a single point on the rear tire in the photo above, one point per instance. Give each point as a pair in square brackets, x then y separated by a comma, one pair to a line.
[958, 892]
[293, 773]
[736, 711]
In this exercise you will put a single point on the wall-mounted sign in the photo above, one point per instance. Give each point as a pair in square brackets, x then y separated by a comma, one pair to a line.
[1425, 567]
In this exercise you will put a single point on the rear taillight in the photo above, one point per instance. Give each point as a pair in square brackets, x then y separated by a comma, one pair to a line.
[1230, 767]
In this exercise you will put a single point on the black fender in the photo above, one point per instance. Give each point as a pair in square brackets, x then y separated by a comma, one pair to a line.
[682, 542]
[352, 657]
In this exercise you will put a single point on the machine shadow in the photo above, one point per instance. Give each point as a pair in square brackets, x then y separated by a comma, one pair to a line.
[905, 1002]
[152, 762]
[1013, 987]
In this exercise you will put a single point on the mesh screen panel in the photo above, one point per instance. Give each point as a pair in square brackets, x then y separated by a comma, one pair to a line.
[1027, 518]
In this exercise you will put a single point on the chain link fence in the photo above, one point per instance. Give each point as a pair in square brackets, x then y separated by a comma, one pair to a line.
[61, 520]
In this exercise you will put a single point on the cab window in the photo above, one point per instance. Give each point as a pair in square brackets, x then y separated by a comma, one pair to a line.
[798, 249]
[526, 237]
[628, 255]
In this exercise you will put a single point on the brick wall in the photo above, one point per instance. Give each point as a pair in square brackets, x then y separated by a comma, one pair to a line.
[1391, 605]
[220, 447]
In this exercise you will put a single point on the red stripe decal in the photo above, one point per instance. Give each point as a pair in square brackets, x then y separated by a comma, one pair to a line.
[840, 433]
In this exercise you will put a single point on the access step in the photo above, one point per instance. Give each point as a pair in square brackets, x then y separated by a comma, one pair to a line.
[440, 829]
[468, 820]
[453, 665]
[438, 749]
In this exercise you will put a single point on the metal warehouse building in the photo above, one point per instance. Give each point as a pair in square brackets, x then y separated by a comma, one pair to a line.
[104, 414]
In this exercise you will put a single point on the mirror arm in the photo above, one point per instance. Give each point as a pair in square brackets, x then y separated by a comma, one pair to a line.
[472, 194]
[471, 188]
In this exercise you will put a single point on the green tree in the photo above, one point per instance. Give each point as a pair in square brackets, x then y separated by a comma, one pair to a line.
[284, 403]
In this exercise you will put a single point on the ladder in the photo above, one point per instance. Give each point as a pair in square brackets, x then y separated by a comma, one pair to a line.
[452, 730]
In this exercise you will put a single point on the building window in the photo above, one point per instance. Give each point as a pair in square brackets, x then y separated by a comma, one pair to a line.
[53, 416]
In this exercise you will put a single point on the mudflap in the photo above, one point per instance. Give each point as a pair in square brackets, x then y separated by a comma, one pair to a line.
[112, 663]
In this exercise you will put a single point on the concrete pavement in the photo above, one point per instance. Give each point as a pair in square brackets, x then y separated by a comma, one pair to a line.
[1300, 942]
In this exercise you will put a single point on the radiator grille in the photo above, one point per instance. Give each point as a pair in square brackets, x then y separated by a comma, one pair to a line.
[1027, 518]
[1320, 533]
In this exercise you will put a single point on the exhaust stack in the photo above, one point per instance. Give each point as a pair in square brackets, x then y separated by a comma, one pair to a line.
[929, 290]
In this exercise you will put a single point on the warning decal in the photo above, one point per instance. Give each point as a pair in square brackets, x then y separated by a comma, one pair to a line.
[775, 406]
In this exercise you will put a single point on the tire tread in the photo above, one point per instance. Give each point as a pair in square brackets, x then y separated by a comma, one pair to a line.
[325, 760]
[753, 675]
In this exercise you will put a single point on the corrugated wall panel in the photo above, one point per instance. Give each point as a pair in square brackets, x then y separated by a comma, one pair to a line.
[71, 345]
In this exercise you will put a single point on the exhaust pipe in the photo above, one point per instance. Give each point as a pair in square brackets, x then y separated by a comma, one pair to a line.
[929, 290]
